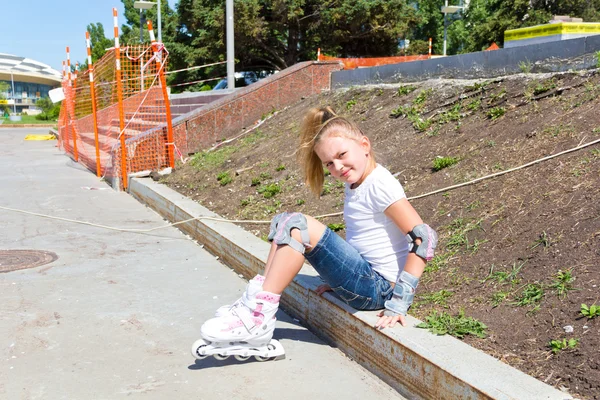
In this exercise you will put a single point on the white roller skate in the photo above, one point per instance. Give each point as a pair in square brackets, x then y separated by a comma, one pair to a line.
[246, 331]
[252, 288]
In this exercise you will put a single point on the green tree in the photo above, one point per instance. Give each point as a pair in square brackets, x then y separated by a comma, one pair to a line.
[3, 89]
[49, 109]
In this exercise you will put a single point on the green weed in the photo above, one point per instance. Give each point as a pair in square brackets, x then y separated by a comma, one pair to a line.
[543, 240]
[300, 202]
[474, 105]
[421, 124]
[281, 167]
[591, 311]
[336, 227]
[269, 191]
[496, 113]
[438, 262]
[422, 97]
[558, 345]
[458, 326]
[404, 90]
[440, 298]
[350, 104]
[458, 230]
[498, 298]
[451, 115]
[562, 282]
[440, 163]
[531, 294]
[255, 182]
[247, 201]
[598, 59]
[212, 158]
[254, 137]
[525, 66]
[224, 178]
[264, 176]
[502, 277]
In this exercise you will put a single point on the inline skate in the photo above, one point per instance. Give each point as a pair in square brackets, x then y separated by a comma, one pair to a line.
[252, 288]
[244, 331]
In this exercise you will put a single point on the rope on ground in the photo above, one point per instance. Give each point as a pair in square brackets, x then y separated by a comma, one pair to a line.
[318, 216]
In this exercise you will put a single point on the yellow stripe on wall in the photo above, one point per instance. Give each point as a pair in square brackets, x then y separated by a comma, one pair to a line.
[559, 28]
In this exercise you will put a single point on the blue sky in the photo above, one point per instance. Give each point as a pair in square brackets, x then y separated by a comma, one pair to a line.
[42, 29]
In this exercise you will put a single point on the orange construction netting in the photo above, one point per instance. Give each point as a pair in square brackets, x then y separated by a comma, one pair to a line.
[352, 63]
[96, 121]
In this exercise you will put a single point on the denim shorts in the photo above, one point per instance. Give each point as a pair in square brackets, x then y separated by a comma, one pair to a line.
[350, 276]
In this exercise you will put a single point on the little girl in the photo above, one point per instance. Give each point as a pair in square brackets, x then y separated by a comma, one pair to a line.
[379, 264]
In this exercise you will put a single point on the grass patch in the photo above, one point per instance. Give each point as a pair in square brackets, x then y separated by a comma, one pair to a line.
[495, 113]
[269, 191]
[438, 262]
[350, 104]
[404, 90]
[502, 277]
[531, 294]
[562, 282]
[525, 66]
[336, 227]
[458, 230]
[224, 178]
[212, 158]
[458, 326]
[440, 298]
[440, 163]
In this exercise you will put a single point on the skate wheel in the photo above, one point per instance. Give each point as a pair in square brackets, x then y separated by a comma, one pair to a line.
[240, 357]
[263, 359]
[220, 357]
[197, 350]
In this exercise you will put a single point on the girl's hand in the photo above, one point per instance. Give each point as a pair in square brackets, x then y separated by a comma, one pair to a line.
[323, 288]
[385, 321]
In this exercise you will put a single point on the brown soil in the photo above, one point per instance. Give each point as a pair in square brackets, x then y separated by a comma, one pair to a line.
[533, 222]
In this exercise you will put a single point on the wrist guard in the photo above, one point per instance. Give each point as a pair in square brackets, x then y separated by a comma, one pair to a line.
[404, 294]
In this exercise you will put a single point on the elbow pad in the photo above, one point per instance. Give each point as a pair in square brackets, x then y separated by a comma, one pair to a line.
[429, 240]
[404, 294]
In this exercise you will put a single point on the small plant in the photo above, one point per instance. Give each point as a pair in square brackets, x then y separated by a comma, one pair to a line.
[255, 182]
[350, 104]
[558, 345]
[405, 111]
[490, 143]
[326, 188]
[224, 178]
[459, 326]
[591, 311]
[404, 90]
[496, 112]
[543, 240]
[421, 124]
[336, 227]
[563, 282]
[422, 97]
[440, 298]
[532, 294]
[525, 66]
[264, 176]
[269, 191]
[451, 115]
[598, 59]
[300, 202]
[498, 298]
[502, 277]
[440, 163]
[474, 105]
[280, 168]
[438, 262]
[246, 201]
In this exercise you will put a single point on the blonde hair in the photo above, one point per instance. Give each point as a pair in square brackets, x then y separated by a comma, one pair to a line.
[318, 124]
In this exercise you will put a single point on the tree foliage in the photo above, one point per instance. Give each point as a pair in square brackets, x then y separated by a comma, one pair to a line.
[275, 34]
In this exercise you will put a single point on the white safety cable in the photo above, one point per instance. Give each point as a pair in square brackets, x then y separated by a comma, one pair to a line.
[319, 216]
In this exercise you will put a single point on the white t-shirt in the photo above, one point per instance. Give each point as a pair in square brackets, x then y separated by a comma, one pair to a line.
[376, 237]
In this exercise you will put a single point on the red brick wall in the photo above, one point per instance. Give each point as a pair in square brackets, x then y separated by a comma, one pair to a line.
[229, 115]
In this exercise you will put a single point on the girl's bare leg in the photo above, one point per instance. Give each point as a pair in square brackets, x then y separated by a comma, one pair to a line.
[284, 263]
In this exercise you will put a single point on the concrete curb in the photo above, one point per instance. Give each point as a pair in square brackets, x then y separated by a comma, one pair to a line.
[414, 362]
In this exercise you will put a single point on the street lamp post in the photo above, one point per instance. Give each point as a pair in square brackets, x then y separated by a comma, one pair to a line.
[145, 5]
[446, 9]
[230, 46]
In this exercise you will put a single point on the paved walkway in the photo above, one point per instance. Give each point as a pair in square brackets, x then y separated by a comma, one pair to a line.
[116, 314]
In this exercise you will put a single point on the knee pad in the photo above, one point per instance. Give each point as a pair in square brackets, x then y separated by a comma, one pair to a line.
[428, 237]
[281, 228]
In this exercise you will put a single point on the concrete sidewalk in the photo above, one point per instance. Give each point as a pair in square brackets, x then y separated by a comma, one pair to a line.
[115, 316]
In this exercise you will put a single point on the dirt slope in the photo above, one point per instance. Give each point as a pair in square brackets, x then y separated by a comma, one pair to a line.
[519, 252]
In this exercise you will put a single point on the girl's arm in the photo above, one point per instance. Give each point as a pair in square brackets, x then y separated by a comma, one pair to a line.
[406, 218]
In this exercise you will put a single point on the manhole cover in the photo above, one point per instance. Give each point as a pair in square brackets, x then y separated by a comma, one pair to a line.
[13, 260]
